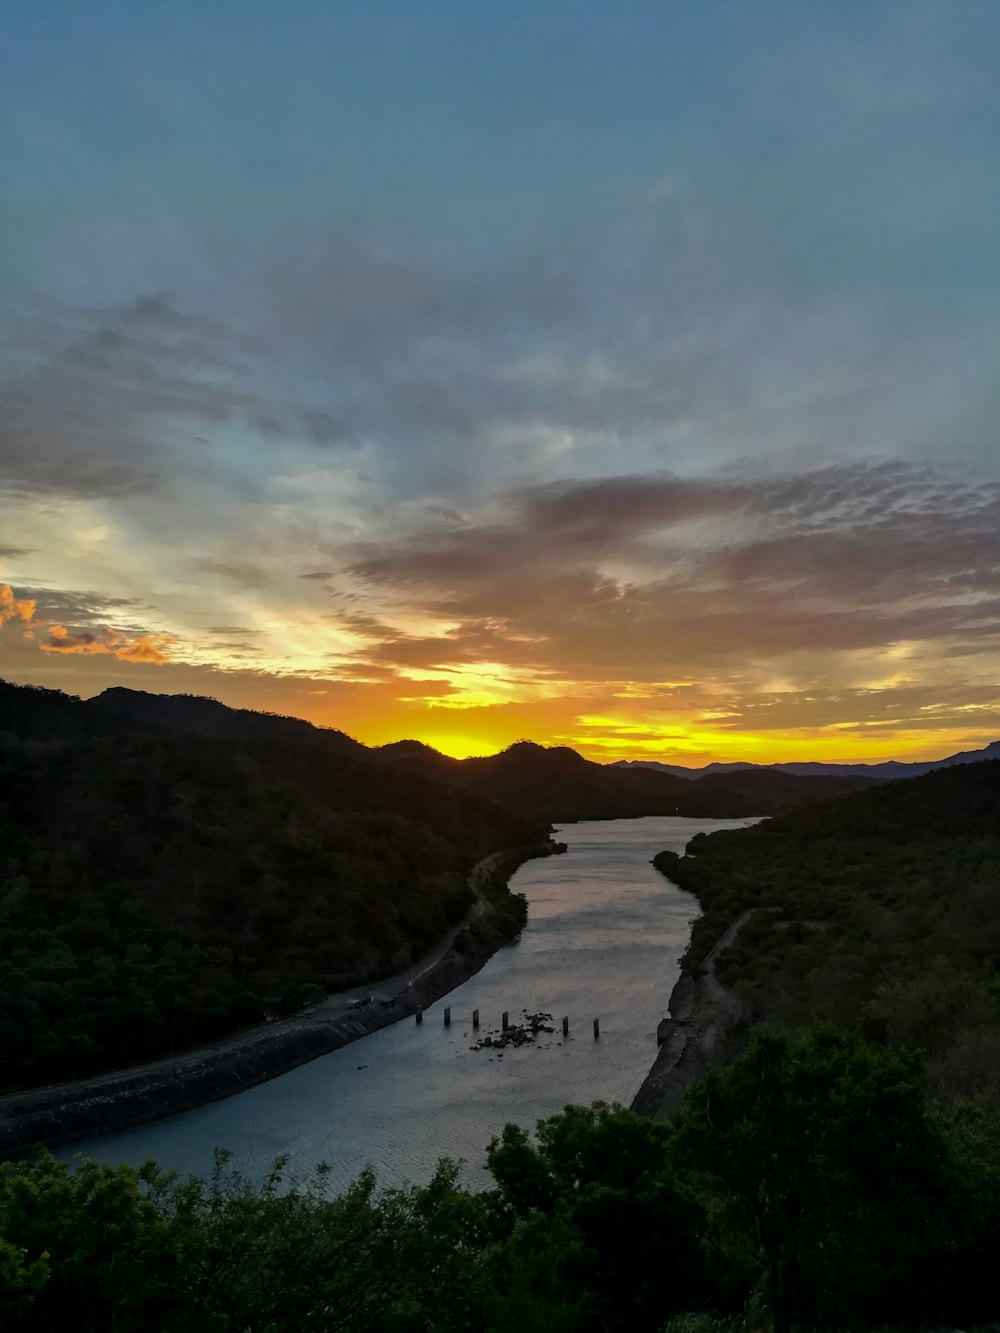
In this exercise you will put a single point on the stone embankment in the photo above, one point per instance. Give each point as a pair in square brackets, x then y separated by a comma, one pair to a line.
[700, 1008]
[68, 1112]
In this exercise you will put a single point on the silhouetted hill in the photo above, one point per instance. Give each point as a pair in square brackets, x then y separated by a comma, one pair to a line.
[559, 785]
[172, 868]
[159, 889]
[413, 753]
[552, 783]
[766, 791]
[29, 712]
[195, 715]
[886, 771]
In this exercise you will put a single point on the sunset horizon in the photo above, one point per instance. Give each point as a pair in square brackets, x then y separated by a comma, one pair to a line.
[623, 380]
[809, 747]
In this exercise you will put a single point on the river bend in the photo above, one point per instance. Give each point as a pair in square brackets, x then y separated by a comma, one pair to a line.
[604, 935]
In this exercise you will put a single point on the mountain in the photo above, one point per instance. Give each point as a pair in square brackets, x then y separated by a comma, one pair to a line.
[889, 769]
[159, 889]
[557, 784]
[766, 791]
[562, 786]
[406, 750]
[553, 784]
[29, 712]
[194, 715]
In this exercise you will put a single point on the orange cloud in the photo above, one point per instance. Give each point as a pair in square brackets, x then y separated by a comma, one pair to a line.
[109, 642]
[13, 608]
[145, 648]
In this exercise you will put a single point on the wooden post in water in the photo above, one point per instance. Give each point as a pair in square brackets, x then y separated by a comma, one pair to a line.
[505, 1020]
[419, 1016]
[475, 1018]
[447, 1016]
[565, 1027]
[597, 1028]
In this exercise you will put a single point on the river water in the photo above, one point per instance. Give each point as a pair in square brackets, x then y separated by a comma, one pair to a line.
[604, 934]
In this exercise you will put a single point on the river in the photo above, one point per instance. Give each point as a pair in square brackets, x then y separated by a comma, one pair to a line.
[604, 934]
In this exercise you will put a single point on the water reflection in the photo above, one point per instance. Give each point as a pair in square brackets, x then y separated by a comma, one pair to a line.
[604, 936]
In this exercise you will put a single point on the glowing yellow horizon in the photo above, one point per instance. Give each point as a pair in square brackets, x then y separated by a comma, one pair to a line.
[467, 709]
[701, 746]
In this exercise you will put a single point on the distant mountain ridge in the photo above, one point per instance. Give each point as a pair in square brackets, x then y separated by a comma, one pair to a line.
[553, 784]
[54, 714]
[885, 771]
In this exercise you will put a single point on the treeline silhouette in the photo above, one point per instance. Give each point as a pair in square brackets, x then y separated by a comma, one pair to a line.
[550, 783]
[808, 1184]
[557, 784]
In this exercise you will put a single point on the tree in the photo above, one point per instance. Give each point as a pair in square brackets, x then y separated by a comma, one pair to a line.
[825, 1167]
[93, 1248]
[85, 1242]
[599, 1231]
[21, 1281]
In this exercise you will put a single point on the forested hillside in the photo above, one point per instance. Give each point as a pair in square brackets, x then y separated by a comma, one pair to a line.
[550, 783]
[557, 784]
[880, 909]
[193, 715]
[159, 890]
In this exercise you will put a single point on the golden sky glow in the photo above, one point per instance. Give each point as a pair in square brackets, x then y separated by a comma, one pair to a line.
[619, 376]
[833, 616]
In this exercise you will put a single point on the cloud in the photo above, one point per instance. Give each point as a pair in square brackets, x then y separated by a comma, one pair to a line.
[147, 648]
[243, 572]
[86, 637]
[321, 428]
[83, 397]
[622, 578]
[107, 402]
[14, 608]
[81, 607]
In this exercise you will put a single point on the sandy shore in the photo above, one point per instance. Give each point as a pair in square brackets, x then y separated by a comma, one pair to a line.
[67, 1112]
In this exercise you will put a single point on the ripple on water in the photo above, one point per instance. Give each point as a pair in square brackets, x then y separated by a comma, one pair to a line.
[604, 935]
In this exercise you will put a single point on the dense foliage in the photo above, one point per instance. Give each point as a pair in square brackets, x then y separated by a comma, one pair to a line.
[807, 1184]
[880, 909]
[159, 890]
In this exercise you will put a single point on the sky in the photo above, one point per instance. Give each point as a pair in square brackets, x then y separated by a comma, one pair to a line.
[616, 374]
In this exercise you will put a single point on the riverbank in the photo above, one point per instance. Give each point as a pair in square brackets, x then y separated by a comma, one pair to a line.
[700, 1009]
[65, 1113]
